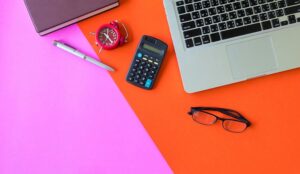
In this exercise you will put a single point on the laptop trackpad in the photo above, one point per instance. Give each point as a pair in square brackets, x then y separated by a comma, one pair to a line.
[251, 58]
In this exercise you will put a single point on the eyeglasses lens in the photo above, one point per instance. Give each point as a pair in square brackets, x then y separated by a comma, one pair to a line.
[234, 126]
[204, 118]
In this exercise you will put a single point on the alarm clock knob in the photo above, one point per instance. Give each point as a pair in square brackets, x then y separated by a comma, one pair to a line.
[114, 24]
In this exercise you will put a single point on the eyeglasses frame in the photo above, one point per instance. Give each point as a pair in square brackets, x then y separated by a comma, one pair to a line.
[229, 112]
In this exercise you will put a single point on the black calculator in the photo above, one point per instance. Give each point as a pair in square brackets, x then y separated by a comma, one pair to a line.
[146, 63]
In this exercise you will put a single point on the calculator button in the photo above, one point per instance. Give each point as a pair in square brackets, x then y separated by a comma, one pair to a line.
[137, 76]
[142, 83]
[148, 83]
[140, 55]
[149, 65]
[131, 74]
[139, 72]
[133, 69]
[130, 79]
[147, 69]
[152, 72]
[151, 77]
[137, 60]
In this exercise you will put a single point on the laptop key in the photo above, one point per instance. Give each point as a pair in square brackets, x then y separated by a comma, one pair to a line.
[223, 2]
[232, 15]
[257, 9]
[214, 3]
[265, 7]
[188, 1]
[215, 37]
[283, 23]
[185, 17]
[195, 15]
[249, 11]
[271, 14]
[216, 19]
[203, 13]
[237, 5]
[212, 11]
[188, 25]
[292, 19]
[205, 4]
[198, 6]
[266, 25]
[292, 2]
[253, 2]
[207, 21]
[220, 9]
[205, 39]
[279, 13]
[228, 7]
[230, 24]
[273, 6]
[263, 16]
[241, 13]
[275, 23]
[238, 22]
[179, 3]
[224, 17]
[222, 26]
[189, 43]
[192, 33]
[197, 41]
[206, 30]
[241, 31]
[247, 20]
[181, 10]
[255, 18]
[281, 4]
[214, 28]
[292, 10]
[200, 22]
[190, 8]
[245, 3]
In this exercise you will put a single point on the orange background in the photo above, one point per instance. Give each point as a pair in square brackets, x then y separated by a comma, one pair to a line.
[270, 145]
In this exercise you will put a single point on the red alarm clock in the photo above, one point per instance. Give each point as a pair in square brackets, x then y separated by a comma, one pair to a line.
[109, 36]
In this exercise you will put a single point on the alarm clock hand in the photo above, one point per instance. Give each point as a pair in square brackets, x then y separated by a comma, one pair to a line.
[106, 35]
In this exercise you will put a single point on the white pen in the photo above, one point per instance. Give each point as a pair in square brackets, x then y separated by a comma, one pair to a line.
[81, 55]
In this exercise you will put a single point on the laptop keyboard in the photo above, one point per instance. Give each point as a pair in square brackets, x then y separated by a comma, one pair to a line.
[208, 21]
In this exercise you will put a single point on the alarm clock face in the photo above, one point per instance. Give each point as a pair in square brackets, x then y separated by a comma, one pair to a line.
[108, 37]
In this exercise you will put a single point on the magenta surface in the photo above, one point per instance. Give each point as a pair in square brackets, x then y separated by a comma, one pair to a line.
[59, 114]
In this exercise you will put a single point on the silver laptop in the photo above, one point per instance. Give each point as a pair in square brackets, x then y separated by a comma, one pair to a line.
[219, 42]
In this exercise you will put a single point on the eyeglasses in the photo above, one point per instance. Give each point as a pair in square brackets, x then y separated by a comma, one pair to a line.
[210, 115]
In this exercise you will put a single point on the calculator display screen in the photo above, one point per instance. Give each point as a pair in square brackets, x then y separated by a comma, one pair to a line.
[153, 49]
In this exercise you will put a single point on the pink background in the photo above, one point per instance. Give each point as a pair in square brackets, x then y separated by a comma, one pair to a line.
[59, 114]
